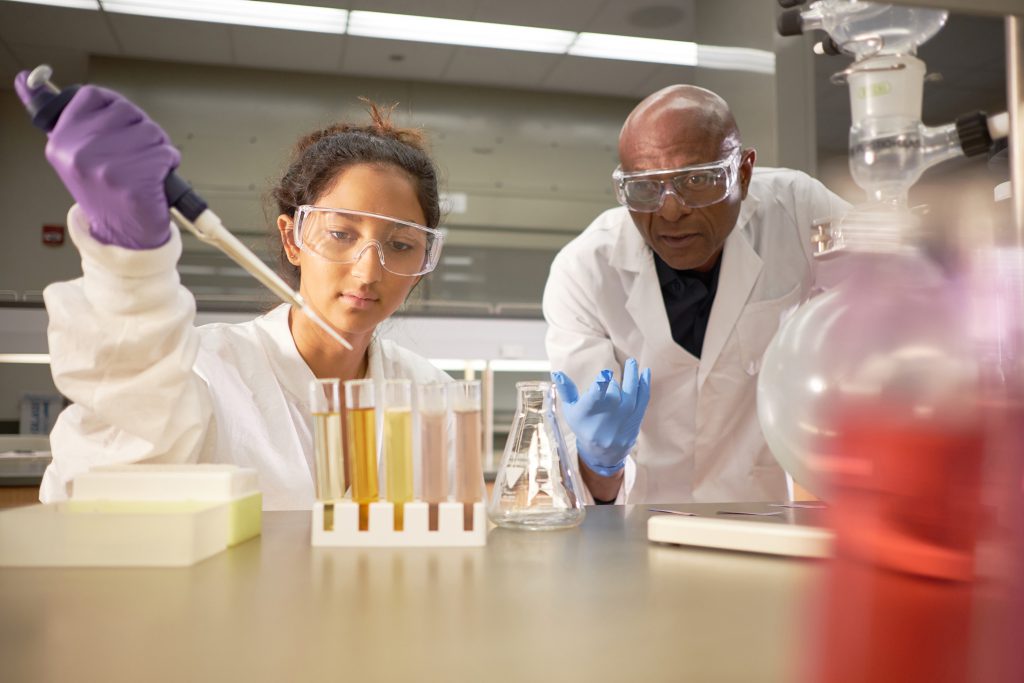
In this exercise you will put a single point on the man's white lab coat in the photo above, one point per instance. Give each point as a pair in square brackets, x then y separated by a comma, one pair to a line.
[700, 439]
[148, 386]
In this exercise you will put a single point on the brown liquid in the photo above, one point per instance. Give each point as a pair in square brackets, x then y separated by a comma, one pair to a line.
[469, 475]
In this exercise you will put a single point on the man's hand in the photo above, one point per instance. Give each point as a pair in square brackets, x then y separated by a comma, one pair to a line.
[606, 419]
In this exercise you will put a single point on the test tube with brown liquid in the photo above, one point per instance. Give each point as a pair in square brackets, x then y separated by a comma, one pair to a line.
[398, 446]
[432, 401]
[361, 426]
[469, 475]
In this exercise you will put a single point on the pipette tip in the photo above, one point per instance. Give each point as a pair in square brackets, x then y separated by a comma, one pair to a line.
[325, 327]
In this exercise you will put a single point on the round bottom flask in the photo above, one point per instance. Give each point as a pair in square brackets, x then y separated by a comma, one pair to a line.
[537, 486]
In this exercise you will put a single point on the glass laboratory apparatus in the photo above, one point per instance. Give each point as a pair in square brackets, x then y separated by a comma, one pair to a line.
[361, 437]
[398, 446]
[469, 474]
[432, 401]
[882, 397]
[325, 404]
[537, 485]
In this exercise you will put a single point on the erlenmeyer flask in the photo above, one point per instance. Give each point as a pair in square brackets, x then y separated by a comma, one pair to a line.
[537, 486]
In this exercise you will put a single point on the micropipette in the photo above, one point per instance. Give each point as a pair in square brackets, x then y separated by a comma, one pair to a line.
[188, 209]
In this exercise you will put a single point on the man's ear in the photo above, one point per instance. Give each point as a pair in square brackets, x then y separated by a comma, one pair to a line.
[747, 169]
[284, 226]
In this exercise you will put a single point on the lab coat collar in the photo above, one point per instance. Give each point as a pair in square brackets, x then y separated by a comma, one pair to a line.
[289, 366]
[741, 267]
[283, 355]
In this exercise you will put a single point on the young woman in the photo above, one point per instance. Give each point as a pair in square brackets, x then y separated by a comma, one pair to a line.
[358, 216]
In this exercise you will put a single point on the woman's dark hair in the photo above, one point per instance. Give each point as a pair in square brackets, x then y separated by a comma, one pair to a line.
[319, 156]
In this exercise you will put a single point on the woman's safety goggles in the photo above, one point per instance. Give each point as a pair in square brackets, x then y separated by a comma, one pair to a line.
[342, 235]
[694, 186]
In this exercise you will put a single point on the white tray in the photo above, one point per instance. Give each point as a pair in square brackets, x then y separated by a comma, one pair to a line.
[381, 532]
[768, 536]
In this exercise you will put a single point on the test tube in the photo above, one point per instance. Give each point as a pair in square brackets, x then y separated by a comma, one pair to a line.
[325, 404]
[432, 400]
[398, 445]
[469, 475]
[361, 426]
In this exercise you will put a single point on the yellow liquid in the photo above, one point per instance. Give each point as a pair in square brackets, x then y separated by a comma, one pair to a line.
[330, 477]
[398, 460]
[362, 448]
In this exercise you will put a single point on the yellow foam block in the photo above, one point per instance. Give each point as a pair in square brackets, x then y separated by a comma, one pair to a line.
[117, 533]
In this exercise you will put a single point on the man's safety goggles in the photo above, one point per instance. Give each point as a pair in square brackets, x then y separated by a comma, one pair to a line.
[694, 186]
[342, 235]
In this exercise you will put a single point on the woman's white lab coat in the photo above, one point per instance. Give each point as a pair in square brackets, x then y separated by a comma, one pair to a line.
[149, 386]
[700, 439]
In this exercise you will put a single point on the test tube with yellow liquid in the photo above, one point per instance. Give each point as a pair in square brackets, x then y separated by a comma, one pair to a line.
[325, 404]
[360, 427]
[469, 474]
[432, 402]
[398, 446]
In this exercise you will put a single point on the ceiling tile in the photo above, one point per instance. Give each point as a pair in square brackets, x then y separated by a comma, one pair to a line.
[598, 76]
[647, 18]
[571, 15]
[447, 9]
[69, 66]
[68, 28]
[170, 39]
[288, 50]
[502, 68]
[373, 57]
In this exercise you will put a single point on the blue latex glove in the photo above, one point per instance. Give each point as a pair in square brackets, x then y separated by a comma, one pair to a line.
[113, 159]
[606, 419]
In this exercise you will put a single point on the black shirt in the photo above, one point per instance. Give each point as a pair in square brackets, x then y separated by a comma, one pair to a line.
[688, 295]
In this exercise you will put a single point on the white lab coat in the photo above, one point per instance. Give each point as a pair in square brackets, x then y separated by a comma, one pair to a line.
[148, 386]
[700, 439]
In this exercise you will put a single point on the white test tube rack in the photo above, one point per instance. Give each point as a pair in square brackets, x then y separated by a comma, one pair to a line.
[416, 533]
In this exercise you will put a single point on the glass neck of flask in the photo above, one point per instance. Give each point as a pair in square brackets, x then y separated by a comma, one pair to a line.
[533, 397]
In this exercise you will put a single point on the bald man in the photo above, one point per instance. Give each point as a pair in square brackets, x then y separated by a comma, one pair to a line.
[690, 277]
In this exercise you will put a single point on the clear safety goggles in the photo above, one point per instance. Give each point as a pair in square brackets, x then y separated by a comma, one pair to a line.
[694, 186]
[342, 235]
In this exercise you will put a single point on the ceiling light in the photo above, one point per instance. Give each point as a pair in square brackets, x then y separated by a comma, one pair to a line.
[736, 58]
[73, 4]
[629, 48]
[458, 32]
[241, 12]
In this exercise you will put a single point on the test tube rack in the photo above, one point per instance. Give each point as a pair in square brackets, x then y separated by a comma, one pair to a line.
[340, 527]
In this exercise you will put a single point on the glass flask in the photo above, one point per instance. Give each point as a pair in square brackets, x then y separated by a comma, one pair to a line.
[879, 396]
[537, 485]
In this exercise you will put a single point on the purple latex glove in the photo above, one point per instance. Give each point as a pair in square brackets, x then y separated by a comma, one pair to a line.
[113, 159]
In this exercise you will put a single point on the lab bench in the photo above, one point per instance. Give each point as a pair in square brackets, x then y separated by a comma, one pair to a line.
[595, 603]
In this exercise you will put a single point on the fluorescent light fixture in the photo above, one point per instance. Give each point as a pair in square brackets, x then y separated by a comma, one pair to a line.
[520, 366]
[73, 4]
[279, 15]
[458, 364]
[458, 32]
[240, 12]
[629, 48]
[27, 358]
[736, 58]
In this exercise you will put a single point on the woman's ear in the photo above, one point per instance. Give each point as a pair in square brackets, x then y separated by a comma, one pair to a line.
[284, 226]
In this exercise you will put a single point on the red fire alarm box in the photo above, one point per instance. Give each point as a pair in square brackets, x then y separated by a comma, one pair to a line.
[53, 235]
